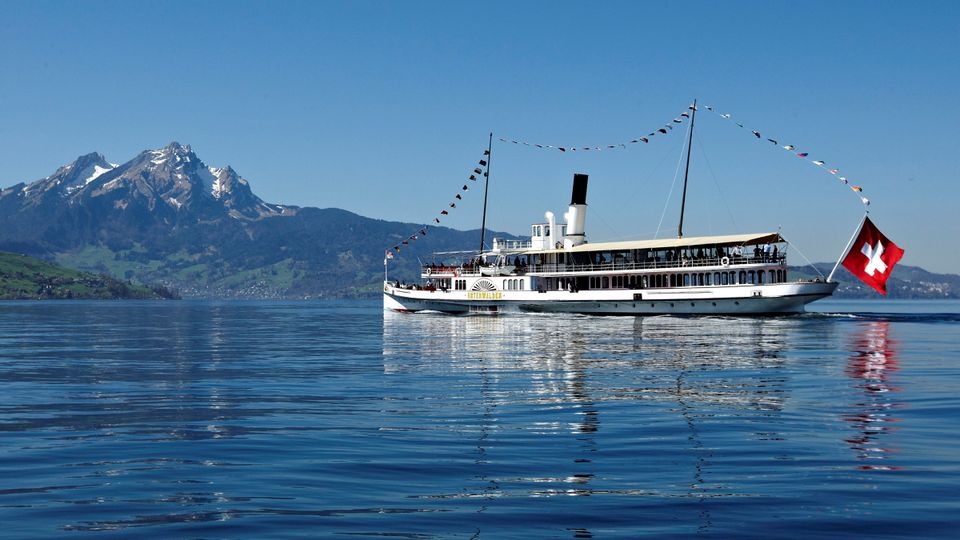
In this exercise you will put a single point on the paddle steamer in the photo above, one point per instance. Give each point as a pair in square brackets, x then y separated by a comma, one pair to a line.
[557, 270]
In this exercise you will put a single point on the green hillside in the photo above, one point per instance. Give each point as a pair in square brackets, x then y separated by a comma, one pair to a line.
[27, 278]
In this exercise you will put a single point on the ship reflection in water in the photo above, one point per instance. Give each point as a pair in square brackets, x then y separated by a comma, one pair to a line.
[637, 406]
[872, 361]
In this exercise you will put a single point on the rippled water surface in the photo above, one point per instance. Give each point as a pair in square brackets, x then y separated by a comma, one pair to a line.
[226, 419]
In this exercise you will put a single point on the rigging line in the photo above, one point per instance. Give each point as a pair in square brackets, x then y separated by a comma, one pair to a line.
[640, 180]
[810, 264]
[717, 184]
[672, 185]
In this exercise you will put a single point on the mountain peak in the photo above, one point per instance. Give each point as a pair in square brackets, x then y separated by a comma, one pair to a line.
[174, 146]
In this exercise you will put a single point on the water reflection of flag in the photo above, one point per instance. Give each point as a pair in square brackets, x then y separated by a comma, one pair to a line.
[872, 257]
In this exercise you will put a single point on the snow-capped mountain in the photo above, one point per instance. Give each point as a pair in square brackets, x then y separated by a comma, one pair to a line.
[171, 182]
[67, 179]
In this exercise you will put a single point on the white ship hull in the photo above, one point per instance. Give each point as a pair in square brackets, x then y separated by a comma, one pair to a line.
[729, 299]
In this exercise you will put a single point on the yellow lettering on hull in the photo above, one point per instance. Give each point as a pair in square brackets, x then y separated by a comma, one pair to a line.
[484, 295]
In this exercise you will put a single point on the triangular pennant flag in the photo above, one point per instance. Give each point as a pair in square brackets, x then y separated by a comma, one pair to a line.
[834, 171]
[858, 189]
[773, 141]
[478, 170]
[757, 134]
[465, 188]
[789, 147]
[453, 205]
[483, 162]
[459, 196]
[727, 116]
[444, 213]
[817, 162]
[473, 177]
[803, 154]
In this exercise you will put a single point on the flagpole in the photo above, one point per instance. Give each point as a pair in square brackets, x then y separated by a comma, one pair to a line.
[846, 249]
[486, 187]
[683, 201]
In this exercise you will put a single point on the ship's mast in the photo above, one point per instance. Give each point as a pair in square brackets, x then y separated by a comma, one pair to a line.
[486, 186]
[683, 201]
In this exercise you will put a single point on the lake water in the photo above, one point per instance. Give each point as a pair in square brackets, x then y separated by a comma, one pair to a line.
[322, 419]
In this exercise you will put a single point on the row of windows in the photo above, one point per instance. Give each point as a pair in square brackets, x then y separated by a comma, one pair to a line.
[513, 284]
[692, 279]
[459, 284]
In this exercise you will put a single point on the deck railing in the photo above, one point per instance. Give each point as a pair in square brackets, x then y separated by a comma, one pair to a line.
[616, 266]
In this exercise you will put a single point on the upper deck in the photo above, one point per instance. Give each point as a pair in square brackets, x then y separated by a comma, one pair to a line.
[517, 257]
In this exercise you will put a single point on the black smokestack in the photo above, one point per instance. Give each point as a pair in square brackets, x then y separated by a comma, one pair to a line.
[579, 195]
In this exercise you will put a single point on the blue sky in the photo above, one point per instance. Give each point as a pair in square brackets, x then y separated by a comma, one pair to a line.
[383, 108]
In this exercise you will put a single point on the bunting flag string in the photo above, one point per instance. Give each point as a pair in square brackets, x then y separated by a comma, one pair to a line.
[477, 171]
[857, 190]
[666, 129]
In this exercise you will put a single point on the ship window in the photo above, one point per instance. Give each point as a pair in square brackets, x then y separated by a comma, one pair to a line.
[716, 278]
[606, 282]
[546, 230]
[686, 280]
[724, 278]
[773, 276]
[700, 278]
[760, 277]
[707, 281]
[743, 277]
[751, 277]
[781, 276]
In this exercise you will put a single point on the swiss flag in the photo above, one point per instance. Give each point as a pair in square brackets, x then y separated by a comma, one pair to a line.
[872, 257]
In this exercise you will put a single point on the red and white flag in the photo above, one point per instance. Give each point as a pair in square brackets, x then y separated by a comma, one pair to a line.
[872, 257]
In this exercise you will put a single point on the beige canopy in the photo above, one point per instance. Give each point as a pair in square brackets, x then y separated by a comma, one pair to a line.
[670, 243]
